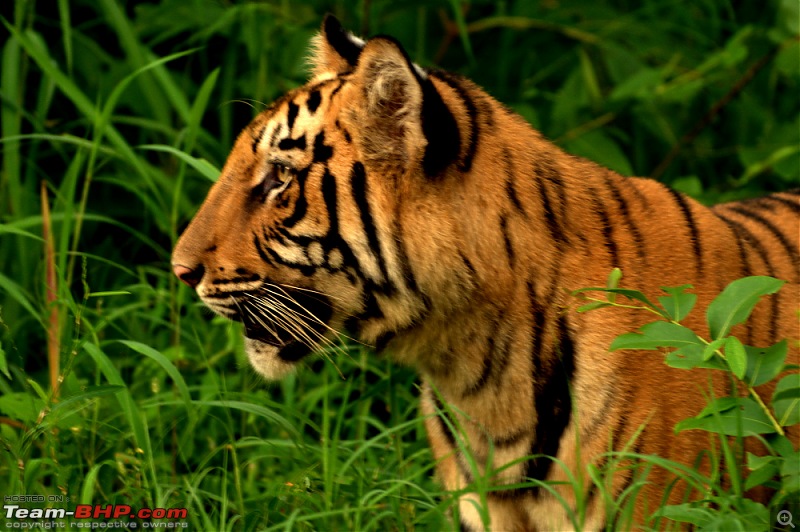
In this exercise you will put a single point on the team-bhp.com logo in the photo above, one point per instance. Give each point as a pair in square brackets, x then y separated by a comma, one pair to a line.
[14, 512]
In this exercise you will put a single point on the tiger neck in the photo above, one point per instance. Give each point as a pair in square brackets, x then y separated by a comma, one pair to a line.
[503, 273]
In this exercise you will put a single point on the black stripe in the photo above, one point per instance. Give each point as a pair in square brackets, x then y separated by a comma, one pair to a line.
[477, 386]
[291, 144]
[552, 402]
[383, 340]
[547, 172]
[336, 90]
[492, 351]
[455, 83]
[770, 203]
[507, 239]
[440, 130]
[300, 203]
[322, 152]
[239, 279]
[463, 526]
[358, 185]
[299, 240]
[274, 138]
[314, 99]
[746, 270]
[791, 250]
[340, 41]
[402, 257]
[511, 439]
[257, 138]
[749, 238]
[552, 221]
[329, 195]
[333, 240]
[294, 351]
[622, 205]
[291, 115]
[686, 210]
[372, 309]
[511, 191]
[556, 231]
[260, 250]
[468, 264]
[793, 206]
[633, 186]
[608, 235]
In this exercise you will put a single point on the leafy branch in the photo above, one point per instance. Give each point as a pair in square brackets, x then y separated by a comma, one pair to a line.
[751, 366]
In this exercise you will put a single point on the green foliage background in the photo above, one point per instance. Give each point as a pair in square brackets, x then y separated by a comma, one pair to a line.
[125, 109]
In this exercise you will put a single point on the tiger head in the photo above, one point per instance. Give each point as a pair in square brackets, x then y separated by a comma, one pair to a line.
[307, 233]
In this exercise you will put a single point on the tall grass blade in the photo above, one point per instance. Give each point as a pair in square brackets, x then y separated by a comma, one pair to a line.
[51, 297]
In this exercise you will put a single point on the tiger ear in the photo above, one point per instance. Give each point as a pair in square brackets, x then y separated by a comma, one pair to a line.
[334, 50]
[392, 92]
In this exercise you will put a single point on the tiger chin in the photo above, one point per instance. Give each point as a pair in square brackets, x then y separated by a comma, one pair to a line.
[407, 208]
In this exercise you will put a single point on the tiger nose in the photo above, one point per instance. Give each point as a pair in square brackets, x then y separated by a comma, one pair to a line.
[188, 276]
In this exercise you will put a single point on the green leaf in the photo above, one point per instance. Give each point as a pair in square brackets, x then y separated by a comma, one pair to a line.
[18, 293]
[756, 462]
[61, 411]
[785, 400]
[686, 513]
[129, 407]
[736, 356]
[710, 350]
[764, 364]
[690, 185]
[87, 491]
[90, 393]
[21, 406]
[109, 293]
[613, 282]
[678, 303]
[693, 356]
[593, 306]
[736, 302]
[171, 370]
[730, 416]
[3, 362]
[762, 475]
[639, 85]
[790, 473]
[655, 335]
[634, 295]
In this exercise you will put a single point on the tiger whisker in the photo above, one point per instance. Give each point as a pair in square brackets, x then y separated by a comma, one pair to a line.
[264, 304]
[245, 310]
[309, 290]
[292, 326]
[285, 295]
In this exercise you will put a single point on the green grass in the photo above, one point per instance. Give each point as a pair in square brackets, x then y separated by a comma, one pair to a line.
[125, 113]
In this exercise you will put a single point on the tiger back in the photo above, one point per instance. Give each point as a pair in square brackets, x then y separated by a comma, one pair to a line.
[412, 211]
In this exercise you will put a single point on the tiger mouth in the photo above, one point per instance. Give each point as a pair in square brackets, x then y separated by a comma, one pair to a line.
[292, 320]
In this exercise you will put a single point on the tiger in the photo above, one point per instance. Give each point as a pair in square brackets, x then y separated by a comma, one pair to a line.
[410, 210]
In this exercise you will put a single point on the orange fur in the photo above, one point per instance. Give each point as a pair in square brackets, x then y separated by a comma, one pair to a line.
[412, 209]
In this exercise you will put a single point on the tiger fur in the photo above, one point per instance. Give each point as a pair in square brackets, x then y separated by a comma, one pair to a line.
[414, 211]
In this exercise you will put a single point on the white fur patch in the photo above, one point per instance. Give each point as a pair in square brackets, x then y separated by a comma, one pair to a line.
[265, 360]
